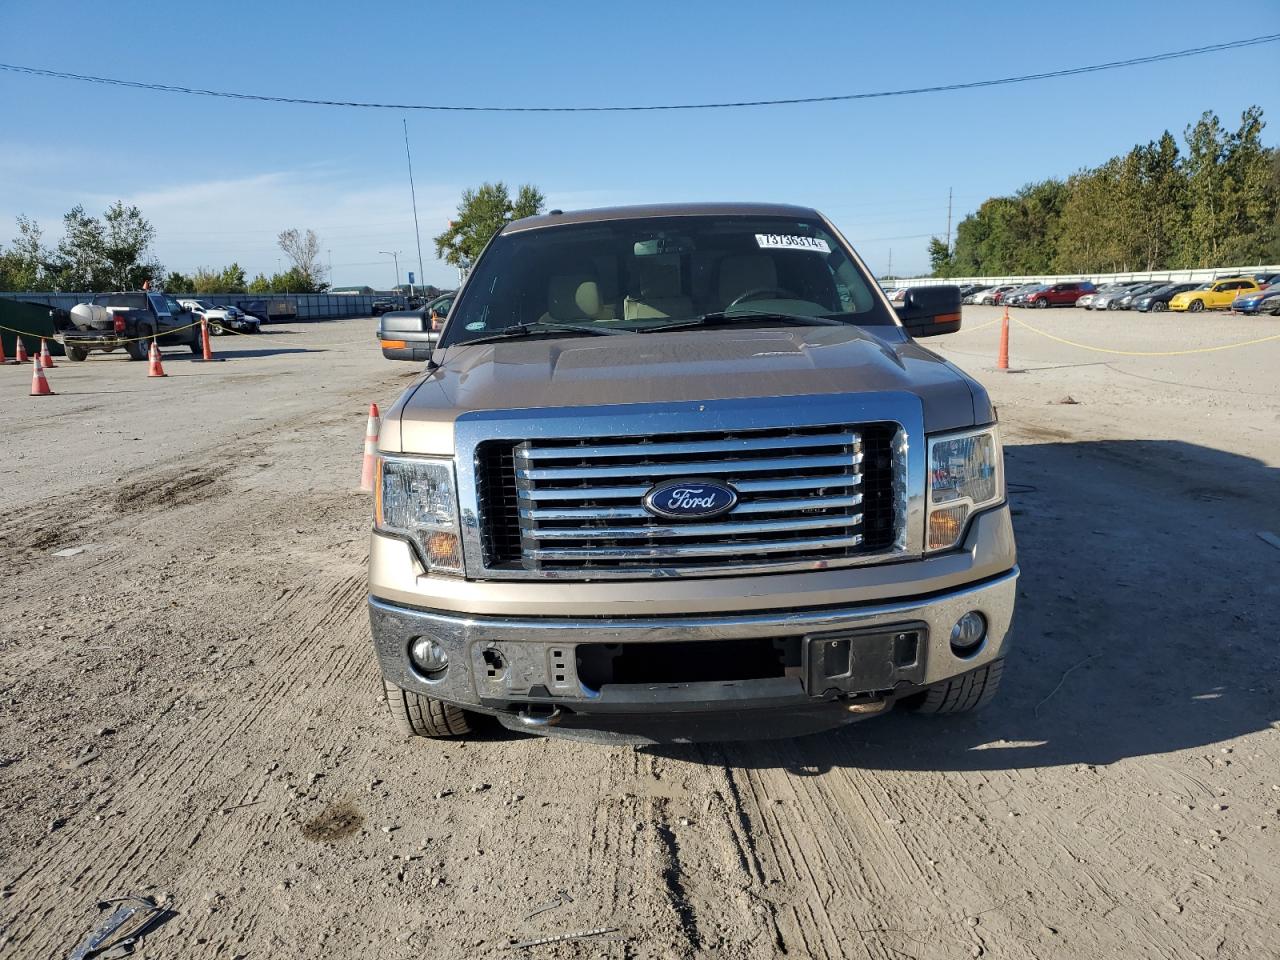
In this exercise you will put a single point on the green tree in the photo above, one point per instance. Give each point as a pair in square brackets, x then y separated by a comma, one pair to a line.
[1151, 208]
[260, 285]
[108, 254]
[1162, 201]
[482, 213]
[1249, 201]
[177, 282]
[81, 262]
[233, 278]
[940, 257]
[126, 241]
[25, 265]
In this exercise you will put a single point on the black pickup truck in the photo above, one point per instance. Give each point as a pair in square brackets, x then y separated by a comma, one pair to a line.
[130, 320]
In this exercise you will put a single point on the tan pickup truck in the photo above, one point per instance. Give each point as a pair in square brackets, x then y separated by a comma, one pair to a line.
[681, 473]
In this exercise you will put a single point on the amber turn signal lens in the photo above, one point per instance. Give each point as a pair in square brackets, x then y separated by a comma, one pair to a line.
[945, 526]
[393, 344]
[442, 550]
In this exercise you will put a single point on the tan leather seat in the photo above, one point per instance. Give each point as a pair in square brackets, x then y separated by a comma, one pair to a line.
[741, 274]
[657, 294]
[575, 296]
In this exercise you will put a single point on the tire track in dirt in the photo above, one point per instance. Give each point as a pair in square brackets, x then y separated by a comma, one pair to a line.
[175, 782]
[168, 785]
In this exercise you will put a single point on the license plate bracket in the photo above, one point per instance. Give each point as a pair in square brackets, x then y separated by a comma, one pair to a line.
[864, 661]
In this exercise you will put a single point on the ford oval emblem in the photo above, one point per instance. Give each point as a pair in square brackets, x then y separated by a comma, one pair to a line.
[690, 499]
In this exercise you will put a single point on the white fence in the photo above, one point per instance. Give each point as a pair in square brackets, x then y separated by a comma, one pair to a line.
[1171, 276]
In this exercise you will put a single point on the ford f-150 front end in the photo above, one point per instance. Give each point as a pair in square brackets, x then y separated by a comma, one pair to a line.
[681, 473]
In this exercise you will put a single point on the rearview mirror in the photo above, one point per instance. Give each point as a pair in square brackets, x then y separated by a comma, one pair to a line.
[929, 311]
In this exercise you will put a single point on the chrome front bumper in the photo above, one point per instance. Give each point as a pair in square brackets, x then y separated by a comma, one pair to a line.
[538, 676]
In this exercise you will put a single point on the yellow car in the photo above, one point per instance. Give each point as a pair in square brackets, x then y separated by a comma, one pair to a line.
[1214, 294]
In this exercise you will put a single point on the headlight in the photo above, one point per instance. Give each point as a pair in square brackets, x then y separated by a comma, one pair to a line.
[415, 498]
[966, 474]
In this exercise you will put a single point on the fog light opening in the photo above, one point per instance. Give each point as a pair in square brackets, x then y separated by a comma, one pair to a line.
[427, 655]
[968, 634]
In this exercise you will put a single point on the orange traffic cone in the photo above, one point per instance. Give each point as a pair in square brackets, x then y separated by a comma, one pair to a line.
[46, 358]
[39, 385]
[1002, 361]
[3, 358]
[21, 351]
[153, 359]
[370, 447]
[207, 355]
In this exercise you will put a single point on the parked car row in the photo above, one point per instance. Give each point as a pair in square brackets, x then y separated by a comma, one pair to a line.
[1245, 294]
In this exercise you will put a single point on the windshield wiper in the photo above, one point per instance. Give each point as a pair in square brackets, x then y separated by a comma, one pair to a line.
[722, 316]
[539, 327]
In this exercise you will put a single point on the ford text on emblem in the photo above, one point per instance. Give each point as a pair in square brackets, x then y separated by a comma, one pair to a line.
[690, 499]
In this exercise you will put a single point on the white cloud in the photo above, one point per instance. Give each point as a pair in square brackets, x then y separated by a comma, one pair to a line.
[213, 222]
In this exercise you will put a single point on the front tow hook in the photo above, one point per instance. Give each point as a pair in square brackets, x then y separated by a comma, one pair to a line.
[529, 720]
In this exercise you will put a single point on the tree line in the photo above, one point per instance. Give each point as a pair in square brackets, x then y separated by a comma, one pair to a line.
[1157, 207]
[114, 252]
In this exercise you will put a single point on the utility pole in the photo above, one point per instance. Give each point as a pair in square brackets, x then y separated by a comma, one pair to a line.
[330, 252]
[889, 272]
[949, 189]
[414, 197]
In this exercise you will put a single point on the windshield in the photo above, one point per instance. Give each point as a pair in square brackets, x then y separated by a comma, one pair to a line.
[647, 273]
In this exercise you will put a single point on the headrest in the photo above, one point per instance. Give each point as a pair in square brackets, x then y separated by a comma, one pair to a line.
[751, 271]
[573, 296]
[656, 277]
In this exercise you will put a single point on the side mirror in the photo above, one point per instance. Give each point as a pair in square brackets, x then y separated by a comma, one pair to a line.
[405, 324]
[929, 311]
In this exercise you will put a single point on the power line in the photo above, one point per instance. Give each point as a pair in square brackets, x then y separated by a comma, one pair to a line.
[880, 94]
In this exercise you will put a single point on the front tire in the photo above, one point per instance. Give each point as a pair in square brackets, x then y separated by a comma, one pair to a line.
[417, 716]
[77, 354]
[1159, 307]
[1195, 306]
[969, 691]
[1041, 304]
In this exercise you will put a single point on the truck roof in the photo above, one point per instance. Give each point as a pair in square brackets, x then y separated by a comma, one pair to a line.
[601, 214]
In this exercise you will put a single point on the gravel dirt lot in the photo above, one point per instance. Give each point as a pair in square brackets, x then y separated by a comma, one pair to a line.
[189, 704]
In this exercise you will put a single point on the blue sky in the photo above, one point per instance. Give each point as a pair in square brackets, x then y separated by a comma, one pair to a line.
[221, 178]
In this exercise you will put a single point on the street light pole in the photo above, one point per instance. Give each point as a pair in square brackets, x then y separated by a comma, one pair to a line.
[395, 256]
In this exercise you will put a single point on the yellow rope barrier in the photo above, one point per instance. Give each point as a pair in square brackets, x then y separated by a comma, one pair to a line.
[1143, 353]
[54, 336]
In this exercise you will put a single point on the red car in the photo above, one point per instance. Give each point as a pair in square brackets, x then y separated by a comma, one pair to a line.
[1060, 294]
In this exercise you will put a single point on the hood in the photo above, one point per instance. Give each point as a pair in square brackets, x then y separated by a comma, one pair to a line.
[682, 366]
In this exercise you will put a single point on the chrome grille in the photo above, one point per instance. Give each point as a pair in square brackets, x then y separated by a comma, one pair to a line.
[807, 496]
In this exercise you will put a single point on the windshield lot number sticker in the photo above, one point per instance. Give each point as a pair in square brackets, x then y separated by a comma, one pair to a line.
[782, 241]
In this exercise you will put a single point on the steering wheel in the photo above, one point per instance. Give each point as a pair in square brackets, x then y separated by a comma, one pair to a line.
[759, 294]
